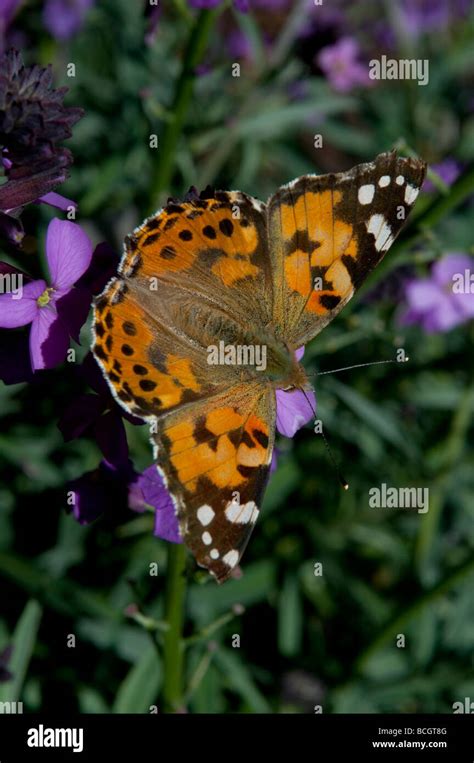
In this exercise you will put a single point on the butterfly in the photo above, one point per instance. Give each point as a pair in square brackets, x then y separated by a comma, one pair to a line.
[210, 286]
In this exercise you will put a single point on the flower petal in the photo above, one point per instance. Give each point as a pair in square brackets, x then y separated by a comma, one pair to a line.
[15, 365]
[294, 410]
[18, 312]
[444, 319]
[155, 494]
[56, 200]
[112, 439]
[465, 304]
[20, 191]
[424, 294]
[69, 252]
[102, 268]
[64, 19]
[299, 353]
[73, 307]
[81, 414]
[90, 496]
[444, 269]
[49, 339]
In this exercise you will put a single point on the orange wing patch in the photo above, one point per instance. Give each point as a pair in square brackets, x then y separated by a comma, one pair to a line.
[219, 233]
[328, 232]
[147, 381]
[216, 464]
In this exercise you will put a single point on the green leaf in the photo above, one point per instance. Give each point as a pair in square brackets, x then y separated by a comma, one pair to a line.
[290, 617]
[240, 680]
[24, 639]
[141, 685]
[278, 120]
[282, 482]
[90, 701]
[206, 602]
[380, 420]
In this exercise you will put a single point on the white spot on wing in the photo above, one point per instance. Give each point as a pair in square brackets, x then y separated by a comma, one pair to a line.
[384, 181]
[399, 180]
[207, 538]
[381, 231]
[411, 193]
[205, 514]
[366, 193]
[231, 558]
[242, 513]
[214, 553]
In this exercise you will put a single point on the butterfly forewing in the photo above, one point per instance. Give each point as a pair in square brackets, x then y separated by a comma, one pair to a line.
[328, 232]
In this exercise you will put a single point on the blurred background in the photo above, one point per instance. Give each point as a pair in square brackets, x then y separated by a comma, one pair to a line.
[235, 95]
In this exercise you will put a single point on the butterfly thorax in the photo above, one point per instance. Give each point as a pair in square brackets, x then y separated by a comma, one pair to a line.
[233, 348]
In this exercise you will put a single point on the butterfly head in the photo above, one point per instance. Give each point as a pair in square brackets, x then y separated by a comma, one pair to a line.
[284, 370]
[296, 379]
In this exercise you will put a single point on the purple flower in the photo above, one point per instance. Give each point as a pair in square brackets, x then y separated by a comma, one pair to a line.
[294, 407]
[101, 491]
[8, 9]
[11, 229]
[420, 16]
[204, 5]
[64, 18]
[294, 410]
[33, 124]
[448, 170]
[207, 5]
[149, 489]
[444, 299]
[53, 311]
[239, 45]
[270, 5]
[341, 67]
[98, 414]
[153, 16]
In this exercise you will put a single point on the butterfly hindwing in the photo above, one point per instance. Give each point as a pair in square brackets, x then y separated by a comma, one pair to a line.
[215, 460]
[328, 232]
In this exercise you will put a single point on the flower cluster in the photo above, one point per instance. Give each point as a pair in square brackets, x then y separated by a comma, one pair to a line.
[442, 300]
[33, 124]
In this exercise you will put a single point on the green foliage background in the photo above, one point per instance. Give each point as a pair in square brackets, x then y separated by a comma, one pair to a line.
[305, 640]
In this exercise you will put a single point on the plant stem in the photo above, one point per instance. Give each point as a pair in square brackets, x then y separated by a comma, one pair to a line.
[192, 55]
[455, 442]
[210, 629]
[173, 638]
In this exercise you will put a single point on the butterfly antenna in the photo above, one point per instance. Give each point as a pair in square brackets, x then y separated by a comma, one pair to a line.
[358, 365]
[341, 479]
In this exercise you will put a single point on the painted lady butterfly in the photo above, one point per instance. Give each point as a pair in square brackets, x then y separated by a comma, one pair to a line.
[225, 270]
